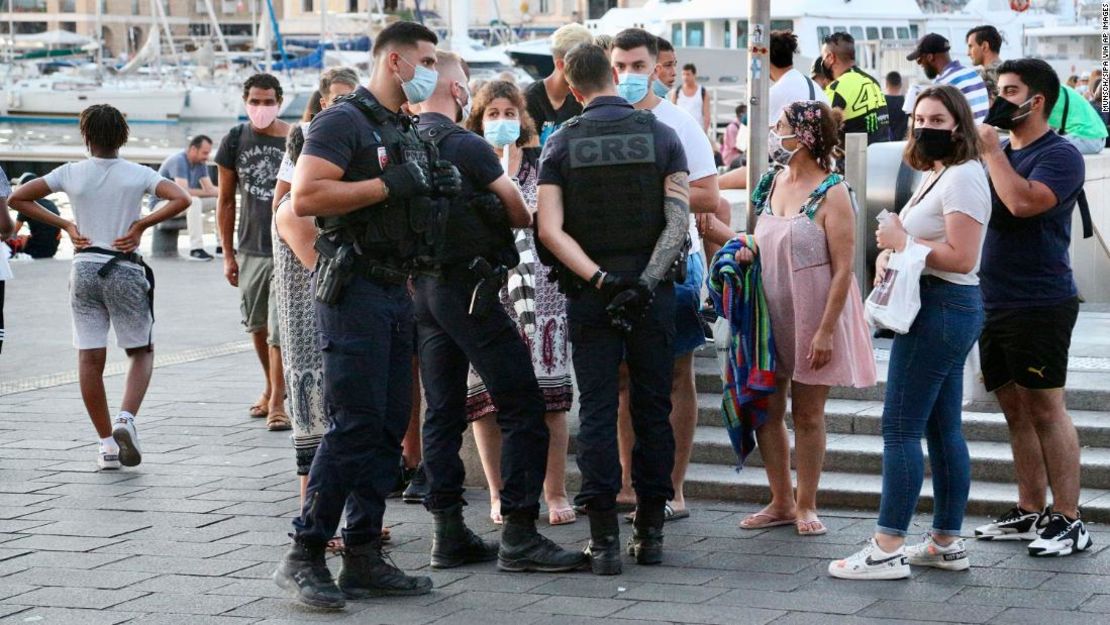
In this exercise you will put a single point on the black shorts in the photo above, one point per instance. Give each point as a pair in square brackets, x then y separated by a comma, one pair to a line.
[1028, 346]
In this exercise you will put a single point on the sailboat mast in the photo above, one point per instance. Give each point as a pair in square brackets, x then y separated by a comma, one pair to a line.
[323, 20]
[99, 35]
[216, 24]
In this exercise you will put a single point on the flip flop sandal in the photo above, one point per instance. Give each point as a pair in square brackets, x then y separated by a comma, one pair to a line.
[278, 421]
[559, 516]
[810, 528]
[772, 521]
[260, 409]
[669, 514]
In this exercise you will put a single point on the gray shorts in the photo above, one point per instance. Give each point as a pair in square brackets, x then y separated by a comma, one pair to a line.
[120, 299]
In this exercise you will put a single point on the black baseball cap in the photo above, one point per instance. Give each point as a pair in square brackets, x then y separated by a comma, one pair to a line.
[929, 44]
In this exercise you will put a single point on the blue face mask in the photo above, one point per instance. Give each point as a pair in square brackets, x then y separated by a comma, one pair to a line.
[632, 87]
[422, 85]
[659, 89]
[501, 132]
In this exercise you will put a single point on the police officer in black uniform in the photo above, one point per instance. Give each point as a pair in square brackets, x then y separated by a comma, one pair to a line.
[614, 210]
[373, 186]
[460, 320]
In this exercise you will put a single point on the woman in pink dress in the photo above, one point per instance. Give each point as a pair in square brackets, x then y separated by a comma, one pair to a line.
[804, 235]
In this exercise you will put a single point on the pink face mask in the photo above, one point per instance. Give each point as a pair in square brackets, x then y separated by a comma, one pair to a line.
[261, 116]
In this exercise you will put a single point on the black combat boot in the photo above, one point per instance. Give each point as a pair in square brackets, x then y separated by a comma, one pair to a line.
[525, 549]
[604, 550]
[367, 572]
[646, 543]
[417, 489]
[304, 574]
[453, 544]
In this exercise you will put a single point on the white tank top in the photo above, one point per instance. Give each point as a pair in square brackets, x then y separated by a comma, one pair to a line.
[691, 104]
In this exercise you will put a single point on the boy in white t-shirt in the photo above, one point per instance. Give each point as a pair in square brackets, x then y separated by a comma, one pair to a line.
[109, 284]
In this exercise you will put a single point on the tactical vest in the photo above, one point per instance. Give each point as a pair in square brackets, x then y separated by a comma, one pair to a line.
[476, 224]
[613, 201]
[403, 231]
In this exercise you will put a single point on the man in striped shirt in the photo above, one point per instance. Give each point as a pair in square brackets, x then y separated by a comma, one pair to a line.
[932, 55]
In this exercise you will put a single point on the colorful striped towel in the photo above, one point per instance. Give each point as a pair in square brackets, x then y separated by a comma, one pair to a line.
[749, 377]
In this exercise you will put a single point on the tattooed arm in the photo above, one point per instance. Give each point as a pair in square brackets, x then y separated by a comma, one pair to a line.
[676, 210]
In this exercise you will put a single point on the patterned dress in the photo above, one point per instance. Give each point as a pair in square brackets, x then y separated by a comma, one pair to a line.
[539, 310]
[300, 355]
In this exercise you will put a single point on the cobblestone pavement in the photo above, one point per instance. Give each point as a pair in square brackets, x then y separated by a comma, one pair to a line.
[192, 536]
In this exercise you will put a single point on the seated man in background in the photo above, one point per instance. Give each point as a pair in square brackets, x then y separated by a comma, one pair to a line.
[189, 169]
[42, 240]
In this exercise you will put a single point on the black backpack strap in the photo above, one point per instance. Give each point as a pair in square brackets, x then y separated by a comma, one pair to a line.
[812, 91]
[234, 137]
[1064, 119]
[1085, 215]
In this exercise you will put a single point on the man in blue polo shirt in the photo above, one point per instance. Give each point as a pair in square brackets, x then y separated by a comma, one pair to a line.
[189, 169]
[1032, 303]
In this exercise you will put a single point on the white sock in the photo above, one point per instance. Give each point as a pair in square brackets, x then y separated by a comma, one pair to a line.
[109, 444]
[123, 414]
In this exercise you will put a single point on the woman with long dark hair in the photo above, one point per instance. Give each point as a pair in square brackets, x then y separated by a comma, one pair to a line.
[924, 391]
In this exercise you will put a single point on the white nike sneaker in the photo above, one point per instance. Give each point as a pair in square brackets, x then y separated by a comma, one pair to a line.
[1061, 537]
[107, 459]
[125, 435]
[871, 562]
[1015, 524]
[950, 558]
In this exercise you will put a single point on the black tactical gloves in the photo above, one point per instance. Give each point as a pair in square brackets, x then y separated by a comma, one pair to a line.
[406, 180]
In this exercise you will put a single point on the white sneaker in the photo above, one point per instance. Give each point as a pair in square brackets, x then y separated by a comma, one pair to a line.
[107, 459]
[1061, 537]
[929, 553]
[871, 562]
[127, 438]
[1015, 524]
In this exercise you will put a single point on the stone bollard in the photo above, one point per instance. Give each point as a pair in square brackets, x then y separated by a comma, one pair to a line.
[165, 237]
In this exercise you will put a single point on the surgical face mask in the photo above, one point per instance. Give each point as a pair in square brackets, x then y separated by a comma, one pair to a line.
[935, 143]
[501, 132]
[659, 89]
[1006, 115]
[632, 87]
[262, 116]
[776, 151]
[422, 85]
[1081, 88]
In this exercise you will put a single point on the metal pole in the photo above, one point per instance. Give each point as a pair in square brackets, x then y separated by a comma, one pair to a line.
[855, 172]
[759, 31]
[323, 20]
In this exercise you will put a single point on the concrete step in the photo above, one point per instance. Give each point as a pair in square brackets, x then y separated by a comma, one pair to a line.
[858, 491]
[848, 416]
[1086, 389]
[863, 453]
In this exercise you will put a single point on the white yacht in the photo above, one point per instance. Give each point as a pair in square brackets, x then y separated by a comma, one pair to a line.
[61, 97]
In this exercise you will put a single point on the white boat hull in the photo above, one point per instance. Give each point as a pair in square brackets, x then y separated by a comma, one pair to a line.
[48, 100]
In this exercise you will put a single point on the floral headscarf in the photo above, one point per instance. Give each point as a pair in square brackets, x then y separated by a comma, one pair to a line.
[805, 117]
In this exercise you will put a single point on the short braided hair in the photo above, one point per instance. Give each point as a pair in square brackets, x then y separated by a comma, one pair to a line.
[104, 127]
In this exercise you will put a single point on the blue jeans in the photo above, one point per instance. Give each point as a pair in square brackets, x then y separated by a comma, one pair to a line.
[367, 344]
[924, 397]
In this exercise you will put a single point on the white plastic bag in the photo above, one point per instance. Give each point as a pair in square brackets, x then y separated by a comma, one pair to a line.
[894, 303]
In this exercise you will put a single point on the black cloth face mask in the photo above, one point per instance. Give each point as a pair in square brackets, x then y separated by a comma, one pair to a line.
[1005, 114]
[935, 143]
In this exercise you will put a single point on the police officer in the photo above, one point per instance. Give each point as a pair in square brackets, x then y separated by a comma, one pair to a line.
[460, 320]
[369, 180]
[614, 210]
